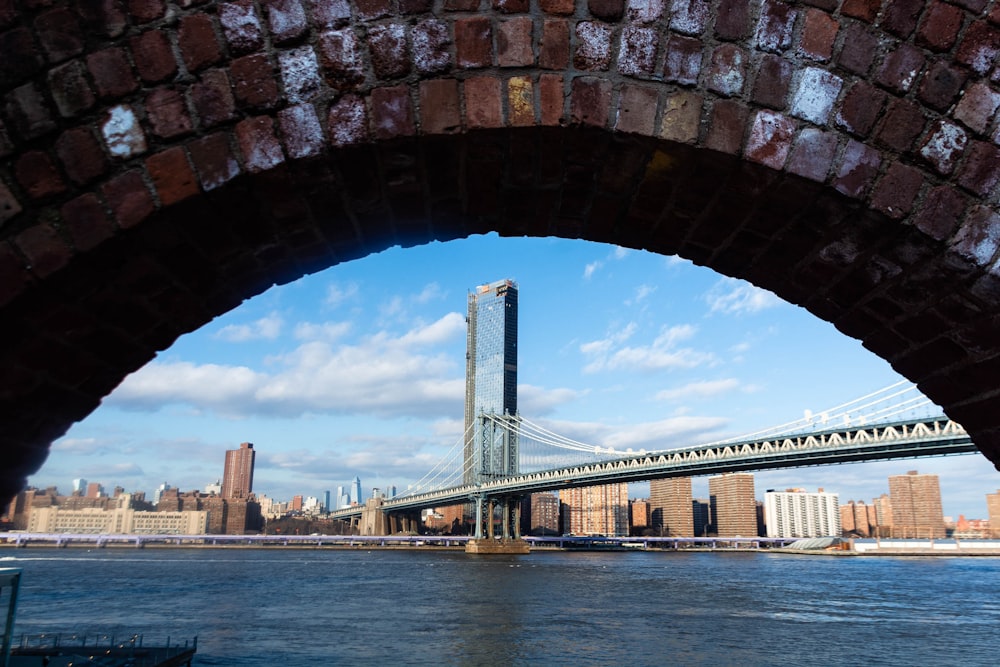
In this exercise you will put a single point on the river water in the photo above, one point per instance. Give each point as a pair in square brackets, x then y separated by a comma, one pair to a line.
[289, 607]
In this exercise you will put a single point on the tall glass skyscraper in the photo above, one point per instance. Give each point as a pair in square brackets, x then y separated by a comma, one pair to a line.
[490, 380]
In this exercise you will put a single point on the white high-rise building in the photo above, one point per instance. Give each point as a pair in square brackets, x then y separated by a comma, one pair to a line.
[797, 513]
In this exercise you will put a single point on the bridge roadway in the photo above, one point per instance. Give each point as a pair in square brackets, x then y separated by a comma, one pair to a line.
[916, 438]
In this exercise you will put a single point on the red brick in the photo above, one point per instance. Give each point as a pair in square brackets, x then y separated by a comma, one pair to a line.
[129, 198]
[812, 156]
[514, 42]
[900, 16]
[197, 43]
[940, 212]
[726, 125]
[897, 190]
[775, 26]
[939, 28]
[415, 6]
[975, 243]
[172, 176]
[103, 17]
[213, 160]
[431, 40]
[512, 6]
[286, 20]
[70, 89]
[392, 112]
[727, 71]
[389, 50]
[866, 10]
[167, 114]
[554, 45]
[733, 20]
[770, 139]
[593, 46]
[340, 56]
[241, 26]
[153, 58]
[590, 101]
[557, 7]
[819, 33]
[980, 173]
[81, 155]
[212, 98]
[770, 87]
[520, 101]
[900, 68]
[86, 221]
[637, 110]
[859, 49]
[637, 54]
[860, 107]
[112, 73]
[681, 117]
[473, 42]
[28, 112]
[943, 146]
[254, 82]
[144, 11]
[330, 14]
[483, 104]
[260, 147]
[461, 5]
[439, 107]
[859, 166]
[369, 10]
[606, 10]
[903, 123]
[60, 34]
[688, 17]
[979, 47]
[348, 121]
[38, 175]
[977, 107]
[941, 85]
[44, 249]
[551, 99]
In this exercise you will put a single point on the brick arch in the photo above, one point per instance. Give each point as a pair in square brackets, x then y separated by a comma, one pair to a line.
[163, 161]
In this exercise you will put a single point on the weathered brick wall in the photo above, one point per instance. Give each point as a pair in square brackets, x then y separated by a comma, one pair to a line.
[163, 160]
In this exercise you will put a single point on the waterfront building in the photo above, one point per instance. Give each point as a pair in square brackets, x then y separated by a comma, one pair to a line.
[733, 506]
[993, 512]
[883, 515]
[356, 497]
[916, 505]
[638, 516]
[797, 513]
[595, 510]
[237, 478]
[296, 503]
[542, 517]
[159, 491]
[701, 515]
[670, 508]
[490, 378]
[856, 519]
[117, 521]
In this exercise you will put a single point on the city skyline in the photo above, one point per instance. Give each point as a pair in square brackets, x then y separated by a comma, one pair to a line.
[359, 371]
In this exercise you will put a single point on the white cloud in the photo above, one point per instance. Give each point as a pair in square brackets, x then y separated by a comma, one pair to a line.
[641, 292]
[537, 401]
[431, 292]
[662, 354]
[703, 389]
[339, 294]
[381, 375]
[328, 331]
[266, 328]
[736, 297]
[591, 269]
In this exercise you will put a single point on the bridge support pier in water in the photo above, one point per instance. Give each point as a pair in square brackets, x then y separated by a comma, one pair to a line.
[489, 542]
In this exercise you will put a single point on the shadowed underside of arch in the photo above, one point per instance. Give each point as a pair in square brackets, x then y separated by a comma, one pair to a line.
[165, 163]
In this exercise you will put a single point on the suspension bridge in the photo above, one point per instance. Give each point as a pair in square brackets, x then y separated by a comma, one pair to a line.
[893, 423]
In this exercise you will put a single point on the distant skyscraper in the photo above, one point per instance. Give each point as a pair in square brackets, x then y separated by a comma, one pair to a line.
[670, 507]
[356, 491]
[916, 505]
[95, 490]
[801, 514]
[595, 510]
[237, 478]
[543, 514]
[326, 501]
[733, 505]
[702, 516]
[159, 492]
[79, 486]
[490, 378]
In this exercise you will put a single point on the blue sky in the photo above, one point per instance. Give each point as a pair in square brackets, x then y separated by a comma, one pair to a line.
[359, 371]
